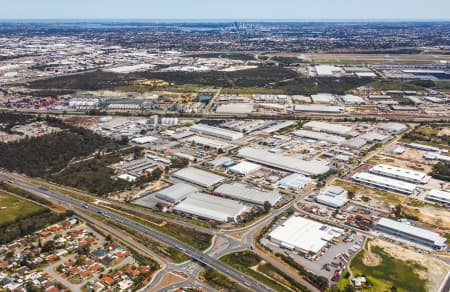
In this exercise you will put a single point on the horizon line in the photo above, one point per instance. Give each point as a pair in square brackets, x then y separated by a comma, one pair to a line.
[150, 20]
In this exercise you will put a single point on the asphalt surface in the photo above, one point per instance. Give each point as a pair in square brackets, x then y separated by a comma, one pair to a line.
[194, 254]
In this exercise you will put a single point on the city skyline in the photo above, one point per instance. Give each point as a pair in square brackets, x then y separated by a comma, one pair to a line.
[249, 10]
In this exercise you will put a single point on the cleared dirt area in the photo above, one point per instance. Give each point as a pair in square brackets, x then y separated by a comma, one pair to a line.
[168, 280]
[435, 270]
[410, 159]
[371, 259]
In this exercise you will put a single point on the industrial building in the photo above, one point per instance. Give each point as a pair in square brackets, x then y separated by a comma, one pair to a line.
[355, 143]
[279, 161]
[384, 183]
[440, 197]
[400, 173]
[144, 140]
[277, 127]
[176, 193]
[244, 168]
[327, 128]
[199, 177]
[216, 132]
[294, 182]
[211, 208]
[248, 194]
[328, 70]
[392, 127]
[304, 235]
[235, 108]
[334, 197]
[210, 143]
[218, 162]
[352, 99]
[423, 147]
[318, 108]
[412, 233]
[333, 139]
[323, 98]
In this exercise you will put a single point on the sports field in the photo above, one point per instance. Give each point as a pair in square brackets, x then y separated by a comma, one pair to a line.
[12, 207]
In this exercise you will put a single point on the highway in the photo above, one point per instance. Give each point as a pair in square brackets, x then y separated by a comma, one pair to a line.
[193, 253]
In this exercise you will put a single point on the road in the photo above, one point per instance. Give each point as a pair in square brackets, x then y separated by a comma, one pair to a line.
[193, 253]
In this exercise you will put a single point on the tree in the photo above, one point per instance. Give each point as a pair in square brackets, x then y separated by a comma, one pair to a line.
[398, 211]
[267, 206]
[350, 195]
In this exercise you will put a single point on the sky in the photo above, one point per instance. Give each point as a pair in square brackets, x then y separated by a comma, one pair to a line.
[226, 9]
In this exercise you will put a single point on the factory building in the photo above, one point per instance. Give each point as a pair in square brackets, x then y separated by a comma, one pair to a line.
[210, 143]
[199, 177]
[245, 168]
[323, 98]
[278, 161]
[333, 139]
[334, 197]
[411, 233]
[304, 235]
[355, 143]
[318, 108]
[327, 128]
[144, 140]
[294, 182]
[245, 193]
[352, 99]
[423, 147]
[384, 183]
[216, 132]
[176, 193]
[277, 127]
[400, 173]
[392, 127]
[211, 208]
[235, 108]
[440, 197]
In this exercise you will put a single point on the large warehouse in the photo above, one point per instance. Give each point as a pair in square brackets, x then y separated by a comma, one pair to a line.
[334, 197]
[304, 235]
[294, 182]
[400, 173]
[384, 183]
[199, 177]
[279, 161]
[210, 143]
[440, 197]
[176, 193]
[216, 132]
[333, 139]
[211, 208]
[248, 194]
[245, 168]
[327, 128]
[412, 233]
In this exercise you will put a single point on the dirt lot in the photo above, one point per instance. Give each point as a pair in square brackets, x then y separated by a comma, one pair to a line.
[436, 269]
[169, 279]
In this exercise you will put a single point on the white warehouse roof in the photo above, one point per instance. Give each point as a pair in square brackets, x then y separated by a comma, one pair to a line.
[282, 162]
[211, 207]
[412, 231]
[246, 193]
[216, 132]
[328, 127]
[334, 139]
[294, 181]
[198, 177]
[400, 173]
[304, 234]
[212, 143]
[144, 140]
[176, 193]
[439, 196]
[384, 182]
[244, 168]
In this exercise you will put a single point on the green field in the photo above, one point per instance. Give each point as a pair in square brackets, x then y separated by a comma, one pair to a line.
[12, 207]
[392, 272]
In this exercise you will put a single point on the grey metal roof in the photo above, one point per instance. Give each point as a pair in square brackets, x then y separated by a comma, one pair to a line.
[282, 162]
[176, 192]
[198, 176]
[246, 193]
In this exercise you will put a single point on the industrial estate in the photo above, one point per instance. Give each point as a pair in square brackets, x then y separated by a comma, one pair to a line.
[224, 157]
